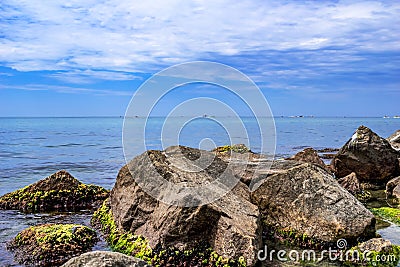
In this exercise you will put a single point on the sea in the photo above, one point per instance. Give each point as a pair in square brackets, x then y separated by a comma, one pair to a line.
[91, 149]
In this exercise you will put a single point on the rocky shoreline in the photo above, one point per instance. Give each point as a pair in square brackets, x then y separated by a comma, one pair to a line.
[299, 202]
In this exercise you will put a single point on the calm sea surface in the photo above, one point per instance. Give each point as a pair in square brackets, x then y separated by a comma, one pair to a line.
[91, 150]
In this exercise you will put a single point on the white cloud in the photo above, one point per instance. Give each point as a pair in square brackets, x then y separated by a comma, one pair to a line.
[142, 35]
[65, 89]
[90, 76]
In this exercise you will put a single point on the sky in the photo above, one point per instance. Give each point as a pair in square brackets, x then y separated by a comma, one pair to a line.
[88, 58]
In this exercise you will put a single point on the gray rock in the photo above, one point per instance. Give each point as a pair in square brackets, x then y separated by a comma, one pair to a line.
[309, 155]
[105, 259]
[243, 162]
[393, 188]
[375, 244]
[309, 201]
[394, 140]
[231, 224]
[396, 192]
[371, 157]
[351, 183]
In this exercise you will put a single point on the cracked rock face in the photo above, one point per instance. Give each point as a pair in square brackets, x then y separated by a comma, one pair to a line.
[371, 157]
[231, 225]
[309, 201]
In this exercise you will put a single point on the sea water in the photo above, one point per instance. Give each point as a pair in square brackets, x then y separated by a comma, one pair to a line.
[91, 149]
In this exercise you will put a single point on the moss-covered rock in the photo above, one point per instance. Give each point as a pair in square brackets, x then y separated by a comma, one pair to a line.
[51, 244]
[58, 192]
[138, 246]
[390, 214]
[374, 252]
[238, 148]
[291, 238]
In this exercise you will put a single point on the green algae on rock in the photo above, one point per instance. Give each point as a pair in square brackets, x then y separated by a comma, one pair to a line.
[51, 244]
[58, 192]
[390, 214]
[125, 243]
[138, 246]
[238, 148]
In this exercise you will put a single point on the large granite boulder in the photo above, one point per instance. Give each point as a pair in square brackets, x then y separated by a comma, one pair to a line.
[371, 157]
[105, 259]
[394, 140]
[230, 225]
[51, 244]
[307, 201]
[58, 192]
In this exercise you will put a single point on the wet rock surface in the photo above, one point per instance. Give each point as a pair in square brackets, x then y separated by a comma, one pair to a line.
[51, 244]
[105, 259]
[371, 157]
[58, 192]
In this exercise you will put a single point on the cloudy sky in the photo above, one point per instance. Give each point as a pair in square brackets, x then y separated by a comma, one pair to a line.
[82, 58]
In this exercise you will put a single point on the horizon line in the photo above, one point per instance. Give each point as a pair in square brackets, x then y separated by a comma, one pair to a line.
[208, 116]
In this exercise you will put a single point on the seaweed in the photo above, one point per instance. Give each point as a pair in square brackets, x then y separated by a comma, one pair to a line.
[137, 246]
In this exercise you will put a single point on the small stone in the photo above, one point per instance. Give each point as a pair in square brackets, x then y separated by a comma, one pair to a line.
[351, 183]
[375, 244]
[309, 155]
[105, 259]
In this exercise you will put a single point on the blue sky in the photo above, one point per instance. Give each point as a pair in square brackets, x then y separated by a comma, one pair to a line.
[83, 58]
